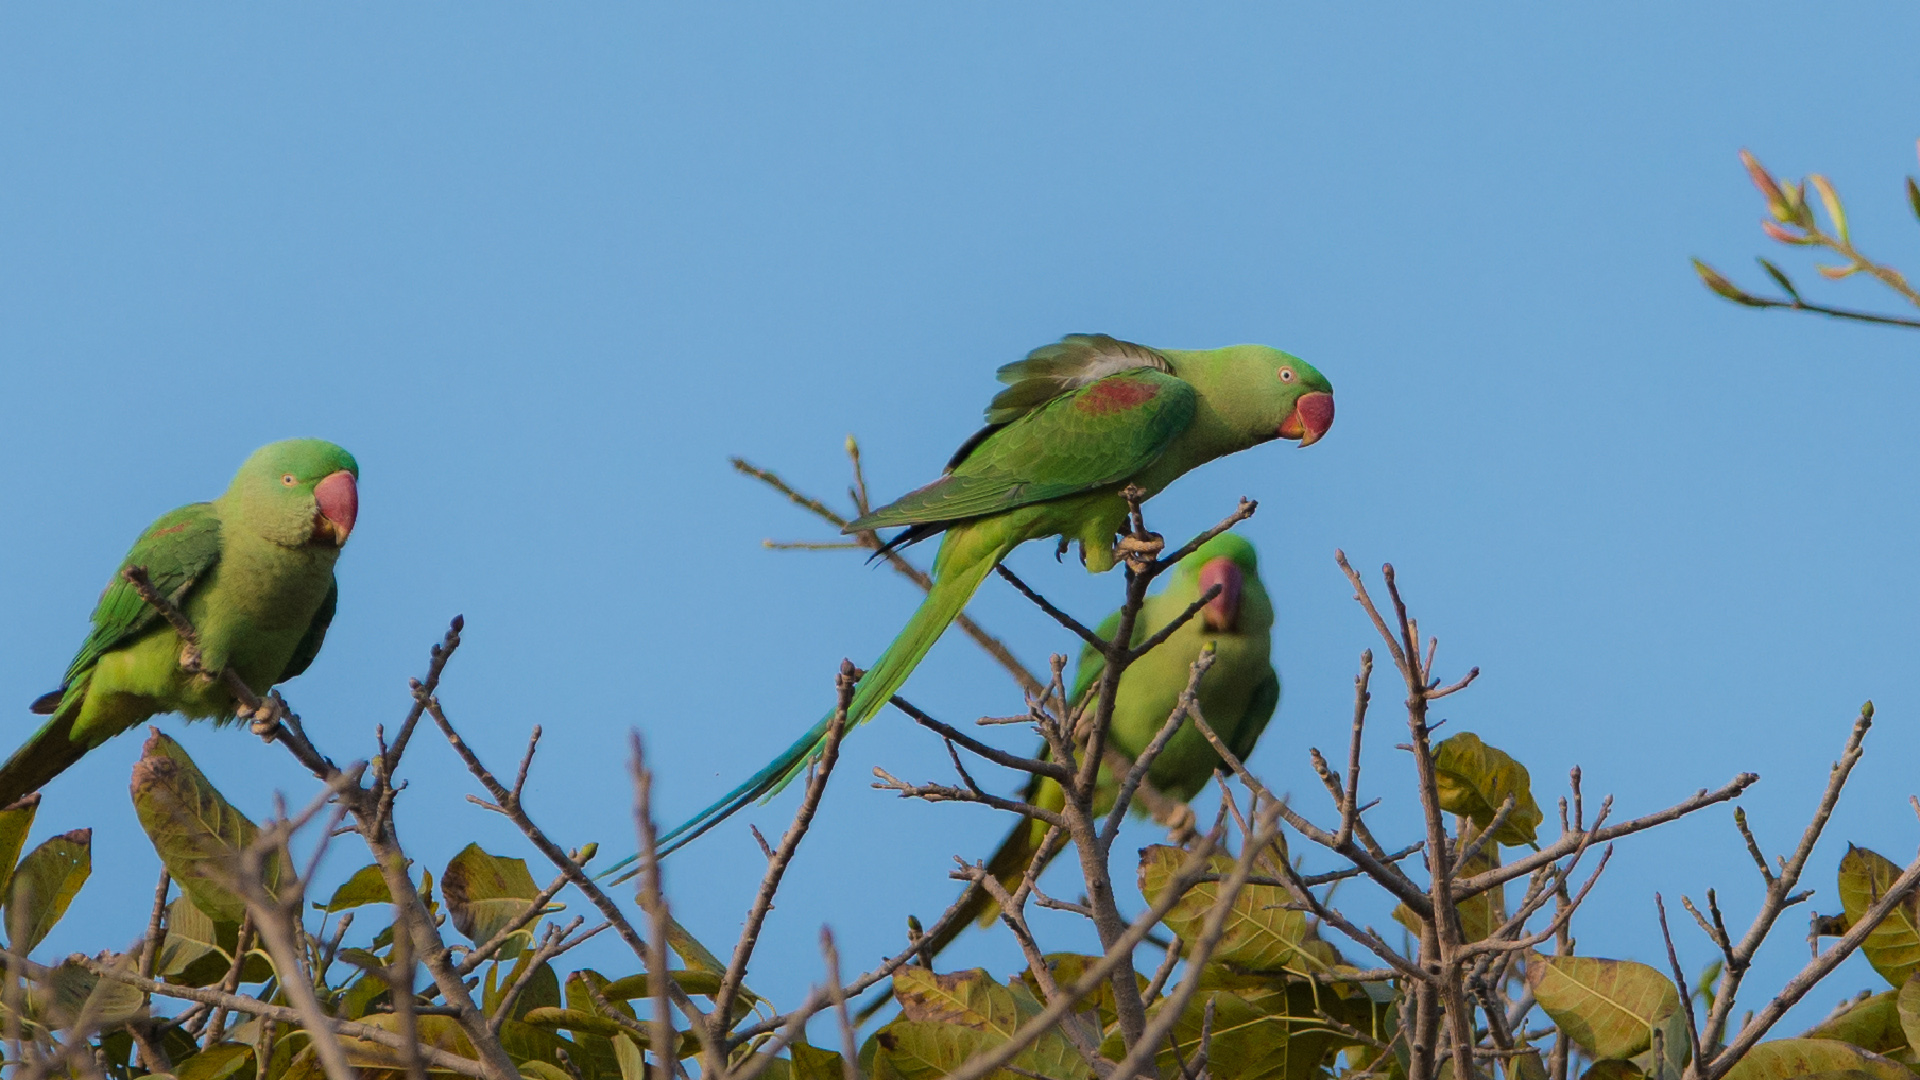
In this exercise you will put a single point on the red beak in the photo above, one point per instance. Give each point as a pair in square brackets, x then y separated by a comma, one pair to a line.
[1222, 613]
[1312, 415]
[339, 501]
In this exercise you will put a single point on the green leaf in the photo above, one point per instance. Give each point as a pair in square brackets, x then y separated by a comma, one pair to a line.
[1913, 196]
[1474, 779]
[1667, 1058]
[572, 1020]
[595, 1055]
[44, 884]
[540, 1070]
[380, 1062]
[366, 886]
[197, 832]
[527, 1044]
[363, 994]
[810, 1063]
[579, 1000]
[1262, 932]
[1067, 968]
[1526, 1066]
[1873, 1024]
[1480, 915]
[1779, 278]
[948, 1018]
[633, 1061]
[199, 952]
[1610, 1008]
[71, 992]
[486, 892]
[971, 999]
[691, 952]
[15, 820]
[1783, 1058]
[1715, 280]
[221, 1061]
[542, 990]
[1906, 1010]
[928, 1050]
[1893, 947]
[702, 983]
[1264, 1038]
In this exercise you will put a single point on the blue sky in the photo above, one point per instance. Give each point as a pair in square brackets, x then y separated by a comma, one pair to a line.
[543, 273]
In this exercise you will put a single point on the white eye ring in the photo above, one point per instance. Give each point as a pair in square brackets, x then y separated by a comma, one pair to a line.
[289, 479]
[1286, 374]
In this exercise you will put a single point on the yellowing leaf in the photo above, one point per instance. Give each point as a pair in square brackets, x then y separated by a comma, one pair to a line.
[809, 1063]
[486, 892]
[1906, 1012]
[930, 1049]
[1609, 1008]
[198, 834]
[968, 998]
[1784, 1058]
[379, 1062]
[1893, 947]
[72, 992]
[1263, 933]
[44, 884]
[1873, 1024]
[1251, 1039]
[691, 952]
[1474, 780]
[15, 820]
[221, 1061]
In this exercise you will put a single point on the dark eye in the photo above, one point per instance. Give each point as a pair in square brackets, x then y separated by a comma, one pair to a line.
[289, 479]
[1286, 374]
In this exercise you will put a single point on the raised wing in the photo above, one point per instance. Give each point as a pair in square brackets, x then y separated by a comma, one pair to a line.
[178, 551]
[1086, 438]
[1064, 366]
[309, 646]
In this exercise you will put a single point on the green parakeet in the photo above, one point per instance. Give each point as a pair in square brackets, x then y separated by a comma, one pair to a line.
[252, 570]
[1237, 696]
[1078, 421]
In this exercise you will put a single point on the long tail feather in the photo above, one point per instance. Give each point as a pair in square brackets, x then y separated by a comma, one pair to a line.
[1008, 866]
[45, 755]
[964, 562]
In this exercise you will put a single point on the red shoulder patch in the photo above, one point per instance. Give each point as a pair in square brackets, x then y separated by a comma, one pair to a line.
[1111, 395]
[168, 531]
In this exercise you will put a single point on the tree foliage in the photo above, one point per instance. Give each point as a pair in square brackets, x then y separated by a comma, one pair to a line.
[1227, 953]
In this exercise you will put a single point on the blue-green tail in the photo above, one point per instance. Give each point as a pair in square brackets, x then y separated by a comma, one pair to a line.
[957, 573]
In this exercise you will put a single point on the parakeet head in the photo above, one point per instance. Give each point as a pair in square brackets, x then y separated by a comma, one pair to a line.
[298, 492]
[1227, 560]
[1268, 394]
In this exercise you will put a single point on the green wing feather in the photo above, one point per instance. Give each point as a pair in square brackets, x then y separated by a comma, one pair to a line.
[1066, 365]
[1081, 440]
[1260, 709]
[309, 646]
[178, 551]
[1087, 672]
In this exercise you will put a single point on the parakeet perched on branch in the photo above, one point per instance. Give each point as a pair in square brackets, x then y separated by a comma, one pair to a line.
[1079, 421]
[1237, 696]
[251, 570]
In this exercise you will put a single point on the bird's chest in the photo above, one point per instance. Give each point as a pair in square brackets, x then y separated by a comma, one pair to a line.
[257, 605]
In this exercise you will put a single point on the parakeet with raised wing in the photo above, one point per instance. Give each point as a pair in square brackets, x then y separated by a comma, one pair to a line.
[252, 571]
[1237, 695]
[1079, 420]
